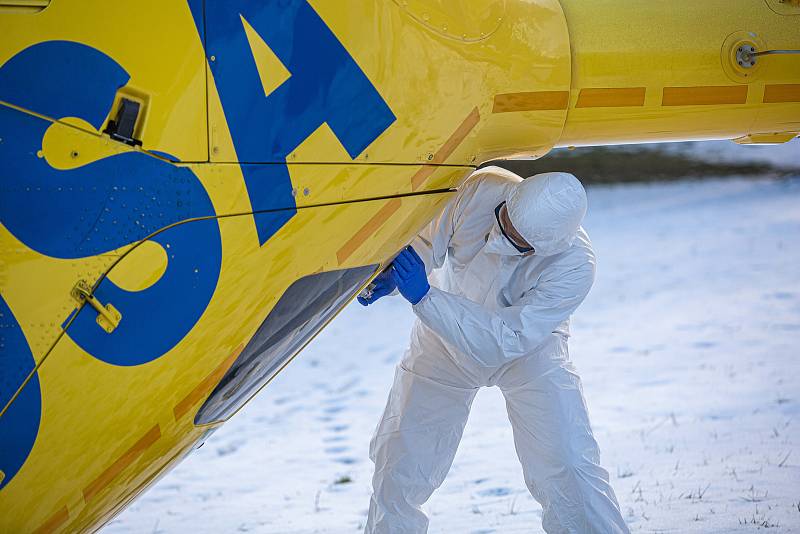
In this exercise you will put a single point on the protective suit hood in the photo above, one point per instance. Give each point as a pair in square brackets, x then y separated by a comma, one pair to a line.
[547, 210]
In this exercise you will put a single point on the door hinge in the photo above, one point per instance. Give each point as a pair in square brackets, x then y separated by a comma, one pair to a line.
[108, 316]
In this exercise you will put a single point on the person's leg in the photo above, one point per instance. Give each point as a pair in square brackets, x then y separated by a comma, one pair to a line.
[559, 455]
[416, 440]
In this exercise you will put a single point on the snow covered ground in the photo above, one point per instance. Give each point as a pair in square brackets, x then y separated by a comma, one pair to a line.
[688, 349]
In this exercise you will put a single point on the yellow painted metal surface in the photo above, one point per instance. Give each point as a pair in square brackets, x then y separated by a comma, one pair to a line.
[766, 138]
[784, 7]
[403, 45]
[84, 437]
[682, 56]
[462, 82]
[169, 69]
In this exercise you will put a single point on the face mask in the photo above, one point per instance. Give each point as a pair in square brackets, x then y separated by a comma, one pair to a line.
[503, 231]
[498, 244]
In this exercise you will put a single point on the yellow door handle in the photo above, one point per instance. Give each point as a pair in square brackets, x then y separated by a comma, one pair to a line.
[108, 317]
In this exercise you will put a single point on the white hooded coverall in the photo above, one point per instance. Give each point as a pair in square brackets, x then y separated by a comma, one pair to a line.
[494, 317]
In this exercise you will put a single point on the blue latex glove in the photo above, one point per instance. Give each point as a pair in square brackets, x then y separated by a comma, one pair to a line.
[408, 271]
[384, 284]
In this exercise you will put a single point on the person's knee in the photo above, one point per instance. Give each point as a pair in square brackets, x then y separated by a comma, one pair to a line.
[566, 459]
[397, 489]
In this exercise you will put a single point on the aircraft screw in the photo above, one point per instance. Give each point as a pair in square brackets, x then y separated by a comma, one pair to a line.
[74, 154]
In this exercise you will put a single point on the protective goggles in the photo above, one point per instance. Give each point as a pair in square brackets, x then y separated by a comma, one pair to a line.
[521, 250]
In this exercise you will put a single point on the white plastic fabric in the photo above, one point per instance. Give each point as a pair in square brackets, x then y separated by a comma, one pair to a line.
[494, 317]
[560, 205]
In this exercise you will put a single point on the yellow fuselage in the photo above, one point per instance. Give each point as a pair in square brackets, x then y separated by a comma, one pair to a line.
[276, 158]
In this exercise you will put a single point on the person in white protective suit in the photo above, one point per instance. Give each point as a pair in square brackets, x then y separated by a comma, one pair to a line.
[509, 263]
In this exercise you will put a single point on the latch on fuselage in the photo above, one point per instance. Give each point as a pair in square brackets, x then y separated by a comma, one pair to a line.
[108, 316]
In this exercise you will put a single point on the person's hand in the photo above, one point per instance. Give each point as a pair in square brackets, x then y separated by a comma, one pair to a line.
[383, 284]
[408, 272]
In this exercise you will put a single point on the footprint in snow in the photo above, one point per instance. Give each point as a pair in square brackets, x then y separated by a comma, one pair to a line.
[283, 400]
[229, 448]
[495, 492]
[335, 433]
[348, 385]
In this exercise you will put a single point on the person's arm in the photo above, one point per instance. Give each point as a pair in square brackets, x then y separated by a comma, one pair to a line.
[431, 244]
[433, 241]
[494, 338]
